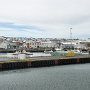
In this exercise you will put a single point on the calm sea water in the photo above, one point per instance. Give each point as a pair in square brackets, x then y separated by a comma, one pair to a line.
[69, 77]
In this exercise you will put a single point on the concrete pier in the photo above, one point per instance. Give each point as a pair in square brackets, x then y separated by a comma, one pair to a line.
[42, 62]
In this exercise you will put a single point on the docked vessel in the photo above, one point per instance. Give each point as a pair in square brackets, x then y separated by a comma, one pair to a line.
[66, 53]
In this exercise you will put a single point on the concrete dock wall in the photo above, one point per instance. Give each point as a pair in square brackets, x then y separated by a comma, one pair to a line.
[39, 62]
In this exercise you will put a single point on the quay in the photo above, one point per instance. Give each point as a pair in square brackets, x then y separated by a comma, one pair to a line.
[42, 62]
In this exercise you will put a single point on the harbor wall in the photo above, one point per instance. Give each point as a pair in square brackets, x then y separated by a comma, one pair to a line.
[20, 64]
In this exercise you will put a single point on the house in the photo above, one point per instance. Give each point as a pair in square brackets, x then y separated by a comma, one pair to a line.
[3, 43]
[76, 44]
[36, 43]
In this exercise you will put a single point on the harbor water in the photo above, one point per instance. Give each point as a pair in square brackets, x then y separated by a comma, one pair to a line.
[66, 77]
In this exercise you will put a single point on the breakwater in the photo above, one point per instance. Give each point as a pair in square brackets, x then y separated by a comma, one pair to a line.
[42, 62]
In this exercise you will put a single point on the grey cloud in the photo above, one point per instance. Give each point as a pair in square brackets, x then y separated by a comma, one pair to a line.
[52, 15]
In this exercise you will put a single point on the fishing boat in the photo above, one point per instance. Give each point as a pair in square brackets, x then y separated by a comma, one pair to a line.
[65, 53]
[22, 52]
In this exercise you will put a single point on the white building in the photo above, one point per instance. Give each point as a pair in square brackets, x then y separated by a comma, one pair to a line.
[38, 43]
[7, 44]
[76, 44]
[3, 43]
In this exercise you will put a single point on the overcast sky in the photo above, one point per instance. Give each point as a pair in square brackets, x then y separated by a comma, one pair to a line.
[45, 18]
